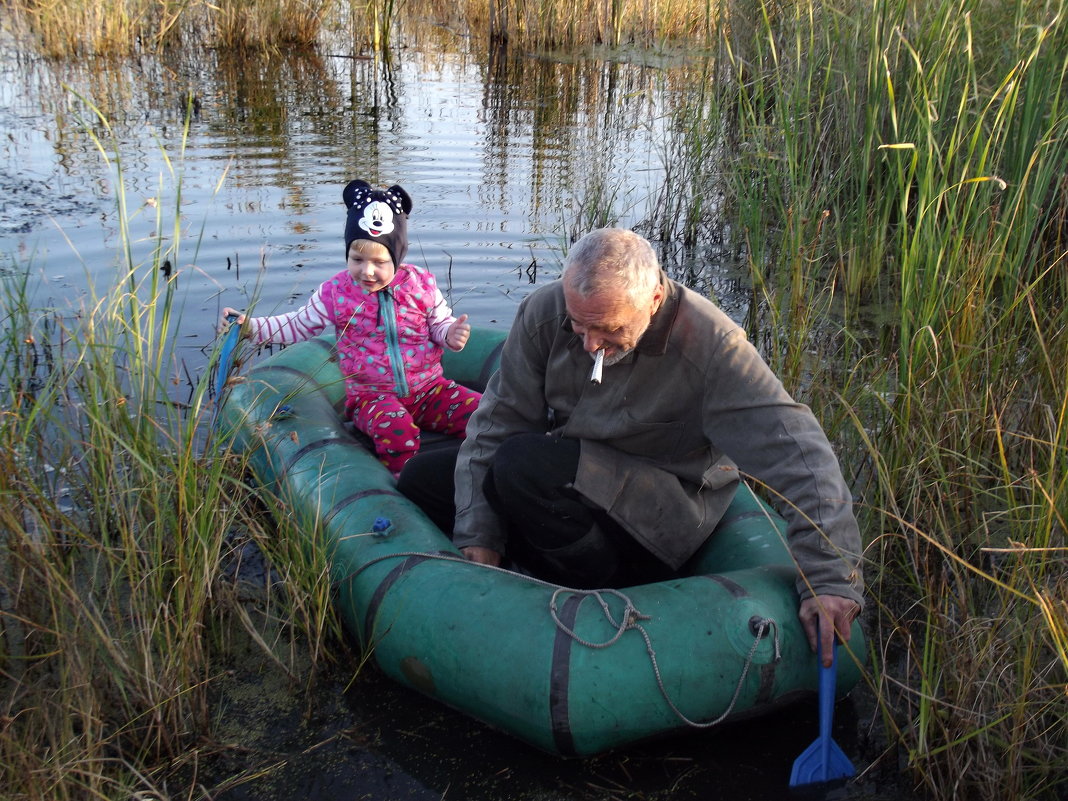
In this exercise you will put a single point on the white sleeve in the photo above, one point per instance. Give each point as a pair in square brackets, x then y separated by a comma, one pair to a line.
[284, 329]
[440, 317]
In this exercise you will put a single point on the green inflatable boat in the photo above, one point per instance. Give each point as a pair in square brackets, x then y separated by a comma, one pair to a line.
[572, 672]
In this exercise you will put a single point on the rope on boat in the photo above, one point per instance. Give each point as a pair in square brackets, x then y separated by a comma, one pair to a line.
[631, 620]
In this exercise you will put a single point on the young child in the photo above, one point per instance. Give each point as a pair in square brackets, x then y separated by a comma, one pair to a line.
[391, 323]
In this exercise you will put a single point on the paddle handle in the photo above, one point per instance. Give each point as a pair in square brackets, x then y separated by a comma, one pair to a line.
[226, 354]
[823, 760]
[828, 682]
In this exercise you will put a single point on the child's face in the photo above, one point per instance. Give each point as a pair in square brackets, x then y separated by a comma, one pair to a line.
[370, 265]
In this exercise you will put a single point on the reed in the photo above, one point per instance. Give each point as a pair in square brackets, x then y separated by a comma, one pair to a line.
[80, 27]
[72, 28]
[77, 28]
[114, 534]
[911, 155]
[558, 24]
[268, 24]
[371, 23]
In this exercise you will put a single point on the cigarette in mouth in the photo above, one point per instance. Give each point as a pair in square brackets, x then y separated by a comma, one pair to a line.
[598, 366]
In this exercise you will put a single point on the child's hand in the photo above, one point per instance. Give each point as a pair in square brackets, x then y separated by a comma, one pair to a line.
[459, 333]
[224, 324]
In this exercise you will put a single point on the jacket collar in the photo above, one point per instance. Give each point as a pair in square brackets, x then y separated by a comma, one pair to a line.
[654, 341]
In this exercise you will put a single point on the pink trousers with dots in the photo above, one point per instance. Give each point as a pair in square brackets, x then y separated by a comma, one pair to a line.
[393, 423]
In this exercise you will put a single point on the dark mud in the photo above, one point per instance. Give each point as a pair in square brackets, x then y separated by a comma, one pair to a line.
[377, 740]
[365, 737]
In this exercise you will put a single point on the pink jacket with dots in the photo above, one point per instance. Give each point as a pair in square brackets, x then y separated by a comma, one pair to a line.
[388, 341]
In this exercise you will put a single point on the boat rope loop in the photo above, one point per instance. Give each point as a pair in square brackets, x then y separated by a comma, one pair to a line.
[631, 618]
[631, 615]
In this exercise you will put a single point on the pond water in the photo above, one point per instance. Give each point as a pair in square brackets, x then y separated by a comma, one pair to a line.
[241, 163]
[507, 160]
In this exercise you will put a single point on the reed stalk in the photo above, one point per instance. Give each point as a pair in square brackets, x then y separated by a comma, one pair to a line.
[115, 532]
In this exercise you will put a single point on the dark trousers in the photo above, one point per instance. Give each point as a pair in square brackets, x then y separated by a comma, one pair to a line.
[553, 531]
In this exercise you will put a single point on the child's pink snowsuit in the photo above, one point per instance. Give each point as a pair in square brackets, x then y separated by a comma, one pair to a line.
[389, 348]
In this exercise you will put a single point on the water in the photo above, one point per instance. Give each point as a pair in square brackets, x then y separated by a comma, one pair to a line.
[507, 159]
[498, 155]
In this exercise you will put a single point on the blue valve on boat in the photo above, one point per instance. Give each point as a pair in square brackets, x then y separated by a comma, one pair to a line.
[382, 526]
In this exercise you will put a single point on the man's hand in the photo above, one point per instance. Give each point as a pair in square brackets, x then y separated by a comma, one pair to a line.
[458, 333]
[482, 556]
[835, 615]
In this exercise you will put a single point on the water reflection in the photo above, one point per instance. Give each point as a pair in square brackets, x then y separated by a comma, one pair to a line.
[590, 128]
[508, 159]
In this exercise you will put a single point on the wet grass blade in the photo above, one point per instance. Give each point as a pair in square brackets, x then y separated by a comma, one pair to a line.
[823, 761]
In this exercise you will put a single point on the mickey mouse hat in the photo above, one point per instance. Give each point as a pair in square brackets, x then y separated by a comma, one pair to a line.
[380, 215]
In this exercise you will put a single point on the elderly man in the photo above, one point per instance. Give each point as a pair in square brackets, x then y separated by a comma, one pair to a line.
[613, 482]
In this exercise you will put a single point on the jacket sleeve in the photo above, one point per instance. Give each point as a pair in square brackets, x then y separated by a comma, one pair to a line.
[439, 315]
[284, 329]
[514, 402]
[780, 446]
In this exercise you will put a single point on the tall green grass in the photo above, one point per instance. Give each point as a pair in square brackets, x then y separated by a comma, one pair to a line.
[116, 529]
[889, 155]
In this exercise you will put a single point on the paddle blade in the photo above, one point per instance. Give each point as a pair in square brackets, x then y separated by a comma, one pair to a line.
[823, 761]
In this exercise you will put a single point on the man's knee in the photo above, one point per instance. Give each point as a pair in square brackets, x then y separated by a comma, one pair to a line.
[427, 480]
[534, 464]
[591, 560]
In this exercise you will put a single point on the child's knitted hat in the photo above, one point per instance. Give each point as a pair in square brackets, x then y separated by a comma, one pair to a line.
[380, 215]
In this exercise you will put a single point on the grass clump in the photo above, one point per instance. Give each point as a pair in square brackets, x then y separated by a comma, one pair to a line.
[117, 603]
[67, 28]
[909, 157]
[268, 24]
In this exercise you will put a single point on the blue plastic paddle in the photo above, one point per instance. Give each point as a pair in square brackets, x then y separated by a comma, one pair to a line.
[226, 362]
[823, 761]
[226, 355]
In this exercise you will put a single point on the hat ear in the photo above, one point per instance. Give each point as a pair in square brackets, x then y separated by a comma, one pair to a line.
[406, 201]
[354, 191]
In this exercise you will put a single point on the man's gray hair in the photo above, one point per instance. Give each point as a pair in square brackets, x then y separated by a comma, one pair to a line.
[612, 259]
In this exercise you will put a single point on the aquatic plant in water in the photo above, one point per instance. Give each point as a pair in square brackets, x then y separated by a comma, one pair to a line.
[115, 532]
